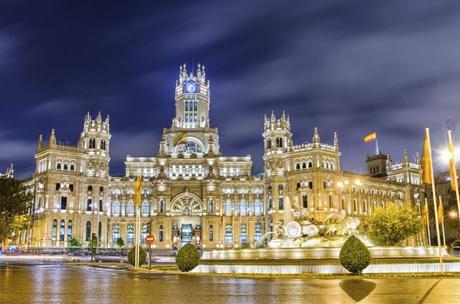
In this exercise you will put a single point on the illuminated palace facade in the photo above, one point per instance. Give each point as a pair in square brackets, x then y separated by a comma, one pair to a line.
[193, 193]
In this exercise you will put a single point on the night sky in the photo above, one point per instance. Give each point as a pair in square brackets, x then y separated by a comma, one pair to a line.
[345, 66]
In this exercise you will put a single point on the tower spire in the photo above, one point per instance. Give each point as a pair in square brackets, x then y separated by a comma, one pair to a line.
[316, 139]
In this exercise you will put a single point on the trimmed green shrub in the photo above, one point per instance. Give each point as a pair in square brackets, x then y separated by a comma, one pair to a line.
[187, 258]
[142, 256]
[354, 255]
[245, 245]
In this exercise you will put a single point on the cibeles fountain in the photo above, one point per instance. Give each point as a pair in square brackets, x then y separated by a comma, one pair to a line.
[307, 232]
[311, 243]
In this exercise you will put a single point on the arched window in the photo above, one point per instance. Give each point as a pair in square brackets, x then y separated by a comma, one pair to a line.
[144, 233]
[310, 164]
[92, 143]
[71, 187]
[258, 232]
[72, 167]
[54, 230]
[162, 206]
[69, 230]
[66, 167]
[116, 210]
[355, 206]
[258, 208]
[269, 144]
[228, 208]
[130, 235]
[211, 233]
[161, 233]
[243, 208]
[101, 190]
[304, 166]
[243, 233]
[115, 233]
[331, 203]
[103, 144]
[130, 208]
[297, 166]
[58, 186]
[89, 205]
[99, 231]
[58, 166]
[210, 206]
[62, 230]
[145, 208]
[101, 206]
[228, 239]
[90, 188]
[88, 231]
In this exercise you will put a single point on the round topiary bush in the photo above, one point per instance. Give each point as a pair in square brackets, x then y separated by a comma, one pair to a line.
[354, 255]
[187, 258]
[142, 256]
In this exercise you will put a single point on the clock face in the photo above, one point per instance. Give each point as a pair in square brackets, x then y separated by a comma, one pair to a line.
[190, 87]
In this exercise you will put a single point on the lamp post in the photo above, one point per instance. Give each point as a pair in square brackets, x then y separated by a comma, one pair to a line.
[450, 214]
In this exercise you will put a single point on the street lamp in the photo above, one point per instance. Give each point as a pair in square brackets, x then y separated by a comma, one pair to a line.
[452, 215]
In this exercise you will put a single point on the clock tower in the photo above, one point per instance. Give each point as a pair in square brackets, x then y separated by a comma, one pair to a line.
[192, 99]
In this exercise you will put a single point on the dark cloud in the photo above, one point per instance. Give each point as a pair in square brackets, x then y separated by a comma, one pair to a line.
[350, 67]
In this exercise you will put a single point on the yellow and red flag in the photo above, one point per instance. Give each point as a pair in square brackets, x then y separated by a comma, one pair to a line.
[370, 137]
[181, 137]
[137, 191]
[452, 172]
[426, 161]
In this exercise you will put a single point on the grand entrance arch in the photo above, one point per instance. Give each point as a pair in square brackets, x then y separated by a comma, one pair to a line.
[187, 208]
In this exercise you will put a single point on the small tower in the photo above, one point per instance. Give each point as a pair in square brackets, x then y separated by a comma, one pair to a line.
[377, 165]
[192, 99]
[277, 133]
[95, 137]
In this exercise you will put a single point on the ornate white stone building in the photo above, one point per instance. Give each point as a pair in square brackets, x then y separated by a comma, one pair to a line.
[192, 192]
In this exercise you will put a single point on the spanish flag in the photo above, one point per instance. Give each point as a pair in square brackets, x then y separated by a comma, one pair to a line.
[180, 138]
[370, 137]
[453, 174]
[440, 212]
[426, 160]
[137, 191]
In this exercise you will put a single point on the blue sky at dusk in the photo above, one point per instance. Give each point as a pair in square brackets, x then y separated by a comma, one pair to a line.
[345, 66]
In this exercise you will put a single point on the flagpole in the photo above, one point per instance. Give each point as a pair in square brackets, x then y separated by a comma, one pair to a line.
[433, 189]
[377, 146]
[428, 222]
[451, 144]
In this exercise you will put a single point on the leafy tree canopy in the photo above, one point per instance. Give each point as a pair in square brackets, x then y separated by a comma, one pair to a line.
[15, 202]
[390, 226]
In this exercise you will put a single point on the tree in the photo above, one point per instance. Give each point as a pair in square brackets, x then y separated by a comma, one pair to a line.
[354, 255]
[74, 244]
[120, 244]
[142, 256]
[390, 226]
[92, 246]
[187, 257]
[15, 202]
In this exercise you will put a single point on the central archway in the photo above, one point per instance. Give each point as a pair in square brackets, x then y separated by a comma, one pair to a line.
[186, 204]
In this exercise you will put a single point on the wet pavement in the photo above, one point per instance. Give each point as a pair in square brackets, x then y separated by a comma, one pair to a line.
[58, 283]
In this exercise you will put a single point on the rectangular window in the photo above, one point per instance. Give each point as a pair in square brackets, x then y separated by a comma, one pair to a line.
[305, 201]
[63, 202]
[280, 203]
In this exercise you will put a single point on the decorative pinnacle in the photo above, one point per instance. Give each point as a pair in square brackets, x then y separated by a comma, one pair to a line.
[316, 138]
